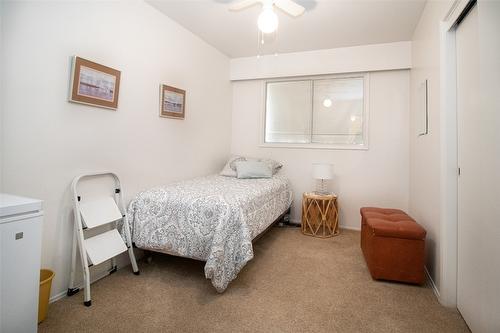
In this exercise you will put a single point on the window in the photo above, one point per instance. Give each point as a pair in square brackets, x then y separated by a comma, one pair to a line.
[317, 113]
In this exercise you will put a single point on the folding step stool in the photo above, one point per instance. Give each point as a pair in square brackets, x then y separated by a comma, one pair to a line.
[95, 250]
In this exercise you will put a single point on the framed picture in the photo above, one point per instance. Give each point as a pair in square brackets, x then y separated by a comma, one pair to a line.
[423, 110]
[172, 102]
[94, 84]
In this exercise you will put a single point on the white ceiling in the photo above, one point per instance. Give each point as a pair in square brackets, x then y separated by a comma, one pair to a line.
[325, 24]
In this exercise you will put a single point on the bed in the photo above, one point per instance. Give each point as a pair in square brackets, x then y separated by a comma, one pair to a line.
[213, 219]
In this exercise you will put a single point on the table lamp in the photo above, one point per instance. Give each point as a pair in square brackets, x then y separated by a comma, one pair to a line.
[322, 172]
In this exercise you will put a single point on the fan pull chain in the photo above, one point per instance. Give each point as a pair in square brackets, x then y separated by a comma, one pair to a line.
[261, 41]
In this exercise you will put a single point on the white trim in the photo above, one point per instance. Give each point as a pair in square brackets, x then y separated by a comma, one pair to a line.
[122, 261]
[449, 156]
[432, 284]
[348, 227]
[57, 297]
[313, 146]
[456, 9]
[449, 167]
[62, 294]
[298, 223]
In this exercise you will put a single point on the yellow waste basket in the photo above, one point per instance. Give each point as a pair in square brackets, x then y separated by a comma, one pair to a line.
[46, 276]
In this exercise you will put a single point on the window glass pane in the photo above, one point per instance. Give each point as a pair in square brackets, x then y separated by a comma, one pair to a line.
[288, 112]
[338, 111]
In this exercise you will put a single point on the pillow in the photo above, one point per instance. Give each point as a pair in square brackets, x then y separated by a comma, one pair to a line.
[274, 165]
[253, 169]
[230, 167]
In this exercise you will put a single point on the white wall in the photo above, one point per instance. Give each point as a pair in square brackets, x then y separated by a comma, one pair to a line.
[425, 151]
[365, 58]
[375, 177]
[47, 141]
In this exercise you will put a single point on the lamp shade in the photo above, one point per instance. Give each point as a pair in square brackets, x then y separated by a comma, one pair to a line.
[322, 171]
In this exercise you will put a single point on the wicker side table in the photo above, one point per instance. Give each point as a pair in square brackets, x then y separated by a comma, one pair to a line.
[320, 215]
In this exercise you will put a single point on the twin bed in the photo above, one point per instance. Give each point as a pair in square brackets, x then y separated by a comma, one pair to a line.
[213, 219]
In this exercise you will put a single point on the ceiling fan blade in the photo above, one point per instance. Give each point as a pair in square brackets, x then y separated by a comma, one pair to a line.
[290, 7]
[243, 4]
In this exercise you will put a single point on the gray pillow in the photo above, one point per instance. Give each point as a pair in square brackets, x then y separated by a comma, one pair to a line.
[253, 169]
[230, 167]
[274, 165]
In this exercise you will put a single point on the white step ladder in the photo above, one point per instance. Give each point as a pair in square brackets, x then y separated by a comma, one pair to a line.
[97, 249]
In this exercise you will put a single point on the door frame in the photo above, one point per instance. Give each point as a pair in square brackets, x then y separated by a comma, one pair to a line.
[447, 294]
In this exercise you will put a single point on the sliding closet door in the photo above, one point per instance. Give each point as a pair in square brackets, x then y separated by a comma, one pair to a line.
[478, 291]
[469, 190]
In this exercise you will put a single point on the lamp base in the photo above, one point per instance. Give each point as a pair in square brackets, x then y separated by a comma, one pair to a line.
[321, 187]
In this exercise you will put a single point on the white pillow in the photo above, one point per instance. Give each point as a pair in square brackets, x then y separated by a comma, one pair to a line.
[253, 169]
[230, 167]
[274, 165]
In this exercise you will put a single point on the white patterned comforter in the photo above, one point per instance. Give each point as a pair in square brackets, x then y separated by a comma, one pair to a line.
[213, 218]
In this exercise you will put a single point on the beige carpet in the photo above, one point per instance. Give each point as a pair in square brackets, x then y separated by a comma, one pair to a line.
[295, 283]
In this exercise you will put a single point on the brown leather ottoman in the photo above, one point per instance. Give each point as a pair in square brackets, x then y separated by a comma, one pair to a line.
[393, 245]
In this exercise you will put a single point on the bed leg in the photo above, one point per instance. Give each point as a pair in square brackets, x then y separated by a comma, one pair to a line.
[149, 256]
[285, 220]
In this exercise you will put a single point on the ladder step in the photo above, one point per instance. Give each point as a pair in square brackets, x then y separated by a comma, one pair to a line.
[104, 246]
[98, 212]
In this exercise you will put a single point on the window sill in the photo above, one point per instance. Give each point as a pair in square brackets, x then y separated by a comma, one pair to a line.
[313, 146]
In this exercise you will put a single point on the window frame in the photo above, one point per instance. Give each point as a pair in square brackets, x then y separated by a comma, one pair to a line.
[339, 146]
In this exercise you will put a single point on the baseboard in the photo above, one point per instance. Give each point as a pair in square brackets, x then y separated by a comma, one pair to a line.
[433, 285]
[57, 297]
[100, 272]
[350, 228]
[298, 223]
[62, 294]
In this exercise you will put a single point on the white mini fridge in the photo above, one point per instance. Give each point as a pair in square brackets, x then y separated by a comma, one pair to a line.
[20, 251]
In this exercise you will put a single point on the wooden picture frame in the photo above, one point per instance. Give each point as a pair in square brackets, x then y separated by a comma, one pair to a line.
[172, 102]
[94, 84]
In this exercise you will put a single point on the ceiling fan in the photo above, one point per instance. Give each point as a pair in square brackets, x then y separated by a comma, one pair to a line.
[268, 20]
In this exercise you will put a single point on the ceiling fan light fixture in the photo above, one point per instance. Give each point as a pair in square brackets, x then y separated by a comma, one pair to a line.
[268, 20]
